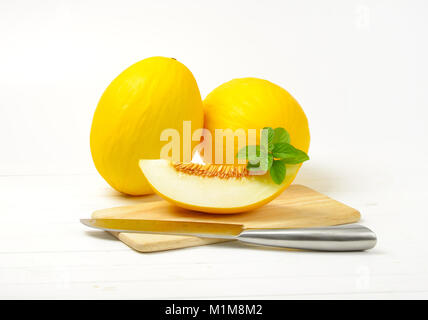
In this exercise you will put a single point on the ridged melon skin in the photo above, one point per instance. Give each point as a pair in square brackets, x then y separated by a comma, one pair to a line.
[212, 194]
[152, 95]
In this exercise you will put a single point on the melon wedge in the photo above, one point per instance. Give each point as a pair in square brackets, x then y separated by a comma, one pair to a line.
[212, 194]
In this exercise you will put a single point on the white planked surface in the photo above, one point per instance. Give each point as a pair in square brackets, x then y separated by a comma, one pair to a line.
[358, 68]
[46, 253]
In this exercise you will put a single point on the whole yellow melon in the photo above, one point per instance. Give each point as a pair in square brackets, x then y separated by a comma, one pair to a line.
[152, 95]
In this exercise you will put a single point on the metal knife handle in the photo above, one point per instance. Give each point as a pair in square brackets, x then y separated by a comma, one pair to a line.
[337, 238]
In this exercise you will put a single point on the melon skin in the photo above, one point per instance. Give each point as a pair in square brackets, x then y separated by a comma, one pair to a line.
[253, 103]
[213, 194]
[152, 95]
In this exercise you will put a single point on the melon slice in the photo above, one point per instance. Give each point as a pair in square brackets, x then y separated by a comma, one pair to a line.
[212, 188]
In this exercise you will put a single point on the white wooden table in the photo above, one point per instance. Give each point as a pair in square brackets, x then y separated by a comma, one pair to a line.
[46, 253]
[359, 69]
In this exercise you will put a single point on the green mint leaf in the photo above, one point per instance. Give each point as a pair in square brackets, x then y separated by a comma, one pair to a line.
[270, 161]
[278, 171]
[267, 138]
[248, 152]
[260, 165]
[253, 168]
[264, 162]
[289, 154]
[256, 168]
[281, 136]
[270, 133]
[251, 165]
[242, 153]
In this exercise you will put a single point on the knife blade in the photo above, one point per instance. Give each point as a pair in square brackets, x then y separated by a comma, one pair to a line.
[352, 237]
[198, 229]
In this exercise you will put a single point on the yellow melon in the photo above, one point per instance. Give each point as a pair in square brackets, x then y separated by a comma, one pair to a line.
[252, 103]
[152, 95]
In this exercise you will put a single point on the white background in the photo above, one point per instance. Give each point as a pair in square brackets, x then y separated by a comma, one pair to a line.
[358, 68]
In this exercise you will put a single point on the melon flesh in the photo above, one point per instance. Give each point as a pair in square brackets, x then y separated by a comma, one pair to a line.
[212, 194]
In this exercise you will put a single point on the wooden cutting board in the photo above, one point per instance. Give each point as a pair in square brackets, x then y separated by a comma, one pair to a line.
[297, 207]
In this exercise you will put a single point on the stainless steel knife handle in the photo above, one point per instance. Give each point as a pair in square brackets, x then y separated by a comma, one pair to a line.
[352, 237]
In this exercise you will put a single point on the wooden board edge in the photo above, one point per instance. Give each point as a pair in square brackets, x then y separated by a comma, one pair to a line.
[169, 243]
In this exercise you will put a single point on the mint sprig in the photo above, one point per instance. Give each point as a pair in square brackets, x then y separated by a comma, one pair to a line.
[273, 155]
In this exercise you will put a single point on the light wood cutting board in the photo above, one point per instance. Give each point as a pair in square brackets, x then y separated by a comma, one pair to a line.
[297, 207]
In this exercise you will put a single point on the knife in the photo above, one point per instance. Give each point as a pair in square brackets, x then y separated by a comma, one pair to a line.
[351, 237]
